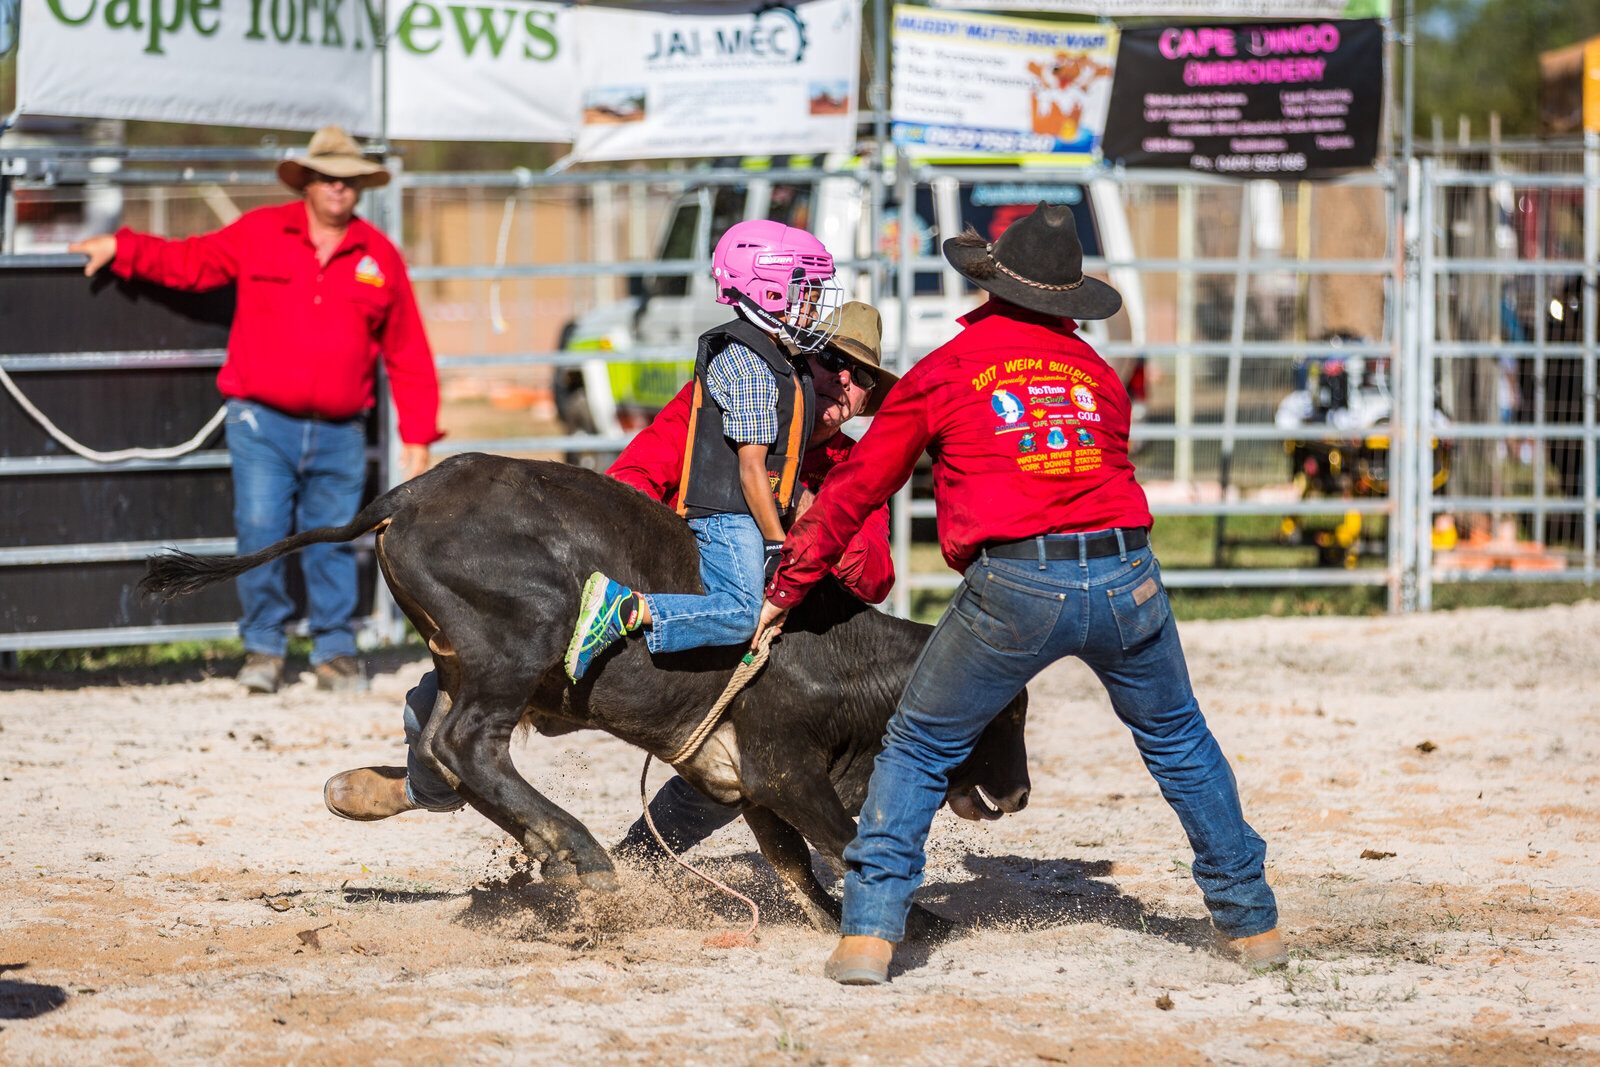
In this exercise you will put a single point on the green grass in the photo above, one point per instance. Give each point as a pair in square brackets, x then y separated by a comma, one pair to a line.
[1181, 542]
[1188, 542]
[173, 661]
[173, 655]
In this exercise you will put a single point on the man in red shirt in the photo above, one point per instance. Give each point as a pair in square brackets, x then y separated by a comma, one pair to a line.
[1038, 507]
[848, 381]
[321, 295]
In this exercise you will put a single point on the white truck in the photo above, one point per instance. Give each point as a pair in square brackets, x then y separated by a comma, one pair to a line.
[668, 312]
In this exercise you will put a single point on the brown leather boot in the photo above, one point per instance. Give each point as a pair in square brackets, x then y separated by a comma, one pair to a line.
[261, 673]
[860, 960]
[367, 794]
[1259, 952]
[342, 674]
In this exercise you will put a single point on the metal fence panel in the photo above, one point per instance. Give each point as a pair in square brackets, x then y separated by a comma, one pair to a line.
[1261, 315]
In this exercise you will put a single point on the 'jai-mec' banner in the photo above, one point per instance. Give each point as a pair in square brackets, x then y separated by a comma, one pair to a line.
[973, 83]
[765, 80]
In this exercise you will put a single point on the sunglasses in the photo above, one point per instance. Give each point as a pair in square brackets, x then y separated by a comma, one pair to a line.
[325, 179]
[833, 363]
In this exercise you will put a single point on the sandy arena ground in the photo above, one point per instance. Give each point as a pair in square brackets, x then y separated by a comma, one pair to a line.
[173, 892]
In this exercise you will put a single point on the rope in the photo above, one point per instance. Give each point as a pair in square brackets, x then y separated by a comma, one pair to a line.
[109, 457]
[725, 940]
[752, 662]
[496, 318]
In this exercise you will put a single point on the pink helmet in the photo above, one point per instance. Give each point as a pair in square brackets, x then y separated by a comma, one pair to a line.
[778, 273]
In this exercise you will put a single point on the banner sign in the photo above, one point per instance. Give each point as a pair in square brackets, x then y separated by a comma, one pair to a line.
[1275, 100]
[285, 63]
[495, 70]
[976, 83]
[8, 24]
[491, 70]
[1194, 9]
[761, 81]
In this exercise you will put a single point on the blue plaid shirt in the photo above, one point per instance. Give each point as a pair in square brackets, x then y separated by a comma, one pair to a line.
[743, 386]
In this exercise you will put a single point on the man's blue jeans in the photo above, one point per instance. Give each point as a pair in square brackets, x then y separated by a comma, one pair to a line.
[424, 787]
[1009, 620]
[289, 475]
[731, 573]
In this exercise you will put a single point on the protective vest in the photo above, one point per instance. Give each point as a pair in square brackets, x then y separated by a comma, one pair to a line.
[710, 481]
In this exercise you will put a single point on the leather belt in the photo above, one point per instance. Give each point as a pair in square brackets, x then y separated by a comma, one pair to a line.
[1066, 546]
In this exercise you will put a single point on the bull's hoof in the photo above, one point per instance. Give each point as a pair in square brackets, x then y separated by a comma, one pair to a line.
[601, 881]
[924, 925]
[559, 872]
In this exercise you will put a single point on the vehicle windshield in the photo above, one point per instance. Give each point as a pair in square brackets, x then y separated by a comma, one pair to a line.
[679, 244]
[988, 207]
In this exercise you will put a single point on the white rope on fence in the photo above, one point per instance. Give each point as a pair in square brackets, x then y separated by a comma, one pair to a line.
[120, 454]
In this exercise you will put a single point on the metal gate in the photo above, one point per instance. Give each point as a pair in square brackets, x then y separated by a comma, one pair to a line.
[1501, 300]
[1240, 296]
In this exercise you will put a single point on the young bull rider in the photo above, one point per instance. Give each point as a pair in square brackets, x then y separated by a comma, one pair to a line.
[848, 381]
[1038, 507]
[748, 428]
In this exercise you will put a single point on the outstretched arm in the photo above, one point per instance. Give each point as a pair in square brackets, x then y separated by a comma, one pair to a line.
[101, 249]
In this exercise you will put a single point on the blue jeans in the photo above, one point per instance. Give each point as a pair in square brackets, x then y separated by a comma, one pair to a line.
[731, 572]
[684, 817]
[1009, 620]
[424, 787]
[290, 475]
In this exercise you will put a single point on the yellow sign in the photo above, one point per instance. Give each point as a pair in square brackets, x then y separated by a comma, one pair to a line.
[1591, 85]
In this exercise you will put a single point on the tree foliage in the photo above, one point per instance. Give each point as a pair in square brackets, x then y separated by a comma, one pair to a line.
[1475, 57]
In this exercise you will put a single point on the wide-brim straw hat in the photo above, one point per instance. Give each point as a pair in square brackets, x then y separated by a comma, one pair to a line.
[1037, 264]
[860, 339]
[334, 154]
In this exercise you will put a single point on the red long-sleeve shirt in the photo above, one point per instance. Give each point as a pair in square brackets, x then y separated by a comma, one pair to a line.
[653, 462]
[305, 338]
[1028, 430]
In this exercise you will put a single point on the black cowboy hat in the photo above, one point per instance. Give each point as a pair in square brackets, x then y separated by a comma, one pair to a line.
[1037, 264]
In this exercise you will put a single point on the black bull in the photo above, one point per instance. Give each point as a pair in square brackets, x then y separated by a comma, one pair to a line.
[486, 556]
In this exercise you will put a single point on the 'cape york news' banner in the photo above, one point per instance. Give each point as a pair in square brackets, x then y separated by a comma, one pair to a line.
[763, 80]
[1279, 99]
[490, 69]
[976, 83]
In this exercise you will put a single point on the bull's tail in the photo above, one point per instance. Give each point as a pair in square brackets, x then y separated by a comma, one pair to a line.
[173, 574]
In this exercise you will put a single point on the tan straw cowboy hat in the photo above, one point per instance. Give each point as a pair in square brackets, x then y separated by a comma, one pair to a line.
[333, 154]
[860, 339]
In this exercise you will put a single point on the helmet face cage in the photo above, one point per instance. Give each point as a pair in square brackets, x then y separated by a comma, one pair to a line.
[813, 312]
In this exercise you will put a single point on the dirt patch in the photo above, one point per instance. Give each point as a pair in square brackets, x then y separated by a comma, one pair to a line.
[175, 893]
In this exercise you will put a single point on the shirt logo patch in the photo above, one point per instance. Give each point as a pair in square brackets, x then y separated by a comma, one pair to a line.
[1083, 398]
[1007, 406]
[368, 273]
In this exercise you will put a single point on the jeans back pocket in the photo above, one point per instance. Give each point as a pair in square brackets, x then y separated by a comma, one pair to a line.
[1008, 617]
[1140, 606]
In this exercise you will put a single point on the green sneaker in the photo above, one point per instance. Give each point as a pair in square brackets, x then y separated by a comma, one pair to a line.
[600, 622]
